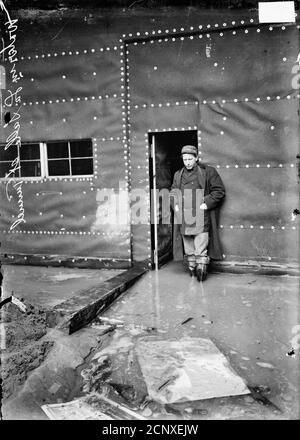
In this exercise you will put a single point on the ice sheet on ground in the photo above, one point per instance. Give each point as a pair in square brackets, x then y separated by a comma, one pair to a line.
[186, 369]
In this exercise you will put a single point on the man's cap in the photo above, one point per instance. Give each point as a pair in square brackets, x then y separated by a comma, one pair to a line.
[189, 149]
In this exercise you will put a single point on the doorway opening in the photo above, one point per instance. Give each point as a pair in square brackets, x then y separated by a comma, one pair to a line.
[165, 160]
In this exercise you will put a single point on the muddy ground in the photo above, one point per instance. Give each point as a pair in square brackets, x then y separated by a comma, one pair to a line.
[23, 348]
[252, 319]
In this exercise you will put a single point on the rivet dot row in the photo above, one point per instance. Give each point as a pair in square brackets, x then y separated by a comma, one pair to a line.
[214, 101]
[190, 28]
[75, 99]
[70, 53]
[268, 227]
[79, 259]
[214, 29]
[173, 129]
[106, 234]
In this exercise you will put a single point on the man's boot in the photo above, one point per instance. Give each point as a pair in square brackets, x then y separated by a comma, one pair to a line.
[192, 271]
[201, 272]
[191, 265]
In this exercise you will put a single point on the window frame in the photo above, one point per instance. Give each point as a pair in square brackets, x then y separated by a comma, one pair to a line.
[44, 161]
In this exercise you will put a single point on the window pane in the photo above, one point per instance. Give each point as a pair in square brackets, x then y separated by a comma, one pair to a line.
[10, 154]
[82, 166]
[29, 151]
[81, 148]
[56, 150]
[58, 168]
[30, 169]
[5, 167]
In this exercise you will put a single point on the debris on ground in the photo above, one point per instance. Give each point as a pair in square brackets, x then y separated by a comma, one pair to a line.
[116, 387]
[115, 372]
[111, 324]
[13, 299]
[74, 410]
[258, 393]
[291, 353]
[105, 353]
[104, 328]
[186, 321]
[112, 321]
[93, 407]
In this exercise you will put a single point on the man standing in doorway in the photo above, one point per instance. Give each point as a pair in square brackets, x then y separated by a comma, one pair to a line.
[196, 195]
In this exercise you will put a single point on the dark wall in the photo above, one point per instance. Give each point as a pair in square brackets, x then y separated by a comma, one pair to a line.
[131, 4]
[235, 88]
[115, 76]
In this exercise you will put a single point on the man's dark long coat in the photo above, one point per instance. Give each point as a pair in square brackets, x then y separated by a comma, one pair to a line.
[214, 193]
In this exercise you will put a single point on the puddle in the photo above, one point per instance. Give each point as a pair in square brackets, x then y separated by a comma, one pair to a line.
[64, 276]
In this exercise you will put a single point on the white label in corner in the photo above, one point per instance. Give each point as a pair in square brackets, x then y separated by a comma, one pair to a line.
[276, 12]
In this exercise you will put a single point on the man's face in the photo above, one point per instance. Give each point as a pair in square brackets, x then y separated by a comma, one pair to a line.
[189, 160]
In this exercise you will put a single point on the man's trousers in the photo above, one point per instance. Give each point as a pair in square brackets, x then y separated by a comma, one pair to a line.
[195, 247]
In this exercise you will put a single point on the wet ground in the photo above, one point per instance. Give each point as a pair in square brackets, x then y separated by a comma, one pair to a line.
[23, 341]
[252, 319]
[48, 286]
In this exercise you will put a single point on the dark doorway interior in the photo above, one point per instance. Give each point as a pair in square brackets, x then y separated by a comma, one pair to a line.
[167, 148]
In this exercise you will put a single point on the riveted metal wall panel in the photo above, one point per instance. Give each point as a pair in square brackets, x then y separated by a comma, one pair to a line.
[70, 89]
[253, 209]
[74, 87]
[111, 163]
[164, 119]
[140, 155]
[69, 121]
[140, 196]
[51, 30]
[236, 87]
[214, 65]
[56, 31]
[141, 246]
[260, 196]
[50, 206]
[139, 147]
[68, 244]
[67, 77]
[264, 131]
[277, 246]
[66, 211]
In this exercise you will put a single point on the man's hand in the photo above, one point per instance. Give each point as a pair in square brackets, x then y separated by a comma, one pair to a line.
[203, 206]
[176, 208]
